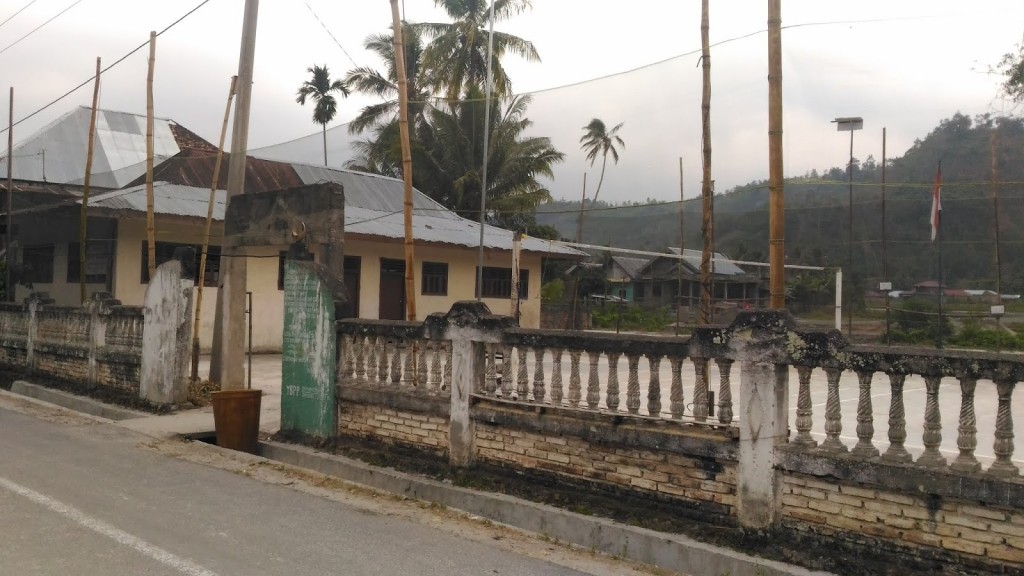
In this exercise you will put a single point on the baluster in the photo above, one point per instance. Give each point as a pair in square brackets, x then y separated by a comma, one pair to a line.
[613, 381]
[435, 367]
[408, 369]
[574, 378]
[593, 381]
[967, 431]
[725, 390]
[932, 425]
[371, 358]
[833, 414]
[396, 363]
[447, 386]
[865, 447]
[677, 404]
[654, 385]
[804, 410]
[360, 358]
[490, 377]
[350, 343]
[1003, 446]
[538, 374]
[506, 371]
[382, 365]
[556, 377]
[700, 390]
[522, 378]
[633, 384]
[421, 363]
[897, 422]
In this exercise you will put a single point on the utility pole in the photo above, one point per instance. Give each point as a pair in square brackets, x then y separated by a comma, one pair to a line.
[9, 233]
[776, 205]
[682, 252]
[150, 225]
[231, 296]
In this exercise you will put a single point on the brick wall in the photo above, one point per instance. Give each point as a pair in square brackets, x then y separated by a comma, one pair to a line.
[674, 476]
[918, 524]
[393, 425]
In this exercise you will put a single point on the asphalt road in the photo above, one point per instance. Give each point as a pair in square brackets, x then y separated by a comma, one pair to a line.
[81, 497]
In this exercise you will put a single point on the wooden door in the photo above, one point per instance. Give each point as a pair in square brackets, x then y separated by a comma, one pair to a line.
[392, 289]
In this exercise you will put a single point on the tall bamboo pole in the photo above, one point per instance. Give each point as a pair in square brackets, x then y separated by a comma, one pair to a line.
[206, 234]
[776, 206]
[150, 224]
[708, 222]
[9, 234]
[403, 128]
[85, 186]
[682, 251]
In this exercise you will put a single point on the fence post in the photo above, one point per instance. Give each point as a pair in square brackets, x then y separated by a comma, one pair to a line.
[35, 302]
[468, 325]
[166, 336]
[757, 340]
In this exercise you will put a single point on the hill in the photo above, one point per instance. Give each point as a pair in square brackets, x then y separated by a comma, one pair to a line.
[817, 213]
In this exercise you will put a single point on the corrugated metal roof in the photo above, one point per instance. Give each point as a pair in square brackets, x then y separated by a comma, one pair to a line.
[722, 264]
[631, 266]
[57, 153]
[431, 224]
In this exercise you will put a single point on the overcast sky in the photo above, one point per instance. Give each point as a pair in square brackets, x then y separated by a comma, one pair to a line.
[903, 65]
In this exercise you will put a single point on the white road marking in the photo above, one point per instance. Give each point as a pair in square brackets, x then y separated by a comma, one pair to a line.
[120, 536]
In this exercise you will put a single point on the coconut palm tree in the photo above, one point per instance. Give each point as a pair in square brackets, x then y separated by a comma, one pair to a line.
[384, 84]
[456, 57]
[597, 139]
[320, 89]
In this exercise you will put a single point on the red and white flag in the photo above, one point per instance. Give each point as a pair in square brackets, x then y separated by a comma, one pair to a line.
[937, 203]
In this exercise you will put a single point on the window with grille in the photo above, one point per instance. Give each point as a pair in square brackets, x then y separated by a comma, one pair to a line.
[497, 283]
[38, 264]
[435, 279]
[99, 255]
[165, 252]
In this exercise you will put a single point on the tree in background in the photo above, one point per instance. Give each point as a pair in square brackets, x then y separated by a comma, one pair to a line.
[367, 80]
[321, 89]
[1012, 68]
[598, 140]
[456, 58]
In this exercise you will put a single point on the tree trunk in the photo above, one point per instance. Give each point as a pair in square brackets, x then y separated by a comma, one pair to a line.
[324, 128]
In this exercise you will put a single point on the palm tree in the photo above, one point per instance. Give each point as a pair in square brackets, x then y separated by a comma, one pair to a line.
[320, 89]
[456, 57]
[385, 85]
[597, 139]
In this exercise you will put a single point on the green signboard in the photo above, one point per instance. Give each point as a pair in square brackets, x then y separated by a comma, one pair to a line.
[308, 355]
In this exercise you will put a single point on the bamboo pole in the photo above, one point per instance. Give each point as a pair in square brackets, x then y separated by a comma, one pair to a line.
[517, 240]
[579, 239]
[85, 186]
[206, 234]
[776, 206]
[150, 224]
[682, 251]
[9, 233]
[708, 223]
[403, 128]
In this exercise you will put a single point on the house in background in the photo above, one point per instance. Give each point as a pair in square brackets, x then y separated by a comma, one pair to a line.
[446, 245]
[655, 282]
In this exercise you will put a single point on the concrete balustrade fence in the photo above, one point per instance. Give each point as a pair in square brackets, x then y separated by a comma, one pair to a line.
[661, 418]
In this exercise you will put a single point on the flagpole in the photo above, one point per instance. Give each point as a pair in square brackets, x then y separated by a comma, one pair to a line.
[938, 233]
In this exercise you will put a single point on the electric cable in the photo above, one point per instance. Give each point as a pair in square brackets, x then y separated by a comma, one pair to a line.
[20, 10]
[36, 29]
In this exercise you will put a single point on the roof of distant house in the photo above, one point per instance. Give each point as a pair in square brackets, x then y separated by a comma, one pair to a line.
[57, 152]
[631, 266]
[720, 263]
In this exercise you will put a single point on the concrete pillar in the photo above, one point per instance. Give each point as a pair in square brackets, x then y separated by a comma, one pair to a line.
[468, 325]
[166, 336]
[764, 398]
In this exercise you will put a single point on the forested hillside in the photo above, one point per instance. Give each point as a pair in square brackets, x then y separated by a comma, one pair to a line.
[817, 213]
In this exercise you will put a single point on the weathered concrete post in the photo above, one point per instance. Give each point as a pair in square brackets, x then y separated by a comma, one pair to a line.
[308, 360]
[468, 325]
[166, 336]
[34, 303]
[758, 341]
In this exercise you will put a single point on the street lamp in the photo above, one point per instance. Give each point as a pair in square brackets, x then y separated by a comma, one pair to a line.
[849, 124]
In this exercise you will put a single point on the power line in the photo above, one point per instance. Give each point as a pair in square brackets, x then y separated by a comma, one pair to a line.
[22, 9]
[34, 30]
[331, 34]
[118, 61]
